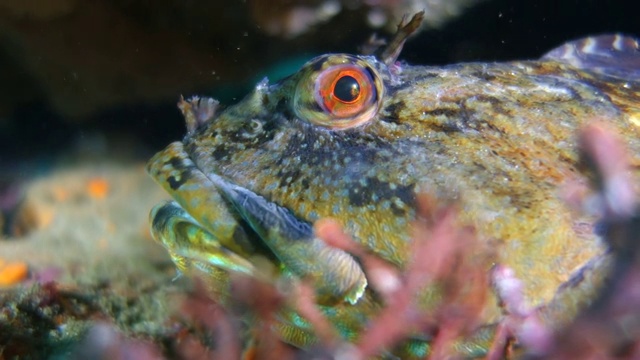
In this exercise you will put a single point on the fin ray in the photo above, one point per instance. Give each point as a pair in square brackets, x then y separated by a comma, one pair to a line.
[613, 55]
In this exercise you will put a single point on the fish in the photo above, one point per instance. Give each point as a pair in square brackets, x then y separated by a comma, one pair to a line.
[358, 138]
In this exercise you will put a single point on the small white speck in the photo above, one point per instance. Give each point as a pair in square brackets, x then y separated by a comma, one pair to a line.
[589, 46]
[618, 43]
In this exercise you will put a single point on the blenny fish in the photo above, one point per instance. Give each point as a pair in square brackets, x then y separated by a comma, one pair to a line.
[357, 137]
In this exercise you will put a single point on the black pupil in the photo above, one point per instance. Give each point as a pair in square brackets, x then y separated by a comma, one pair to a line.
[347, 89]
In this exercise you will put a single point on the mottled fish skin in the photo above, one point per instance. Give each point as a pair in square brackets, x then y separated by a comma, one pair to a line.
[499, 139]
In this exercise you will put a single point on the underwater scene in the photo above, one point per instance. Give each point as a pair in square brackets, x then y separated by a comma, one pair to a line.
[319, 179]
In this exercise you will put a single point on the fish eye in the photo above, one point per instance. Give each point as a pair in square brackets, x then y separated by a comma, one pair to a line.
[338, 92]
[346, 89]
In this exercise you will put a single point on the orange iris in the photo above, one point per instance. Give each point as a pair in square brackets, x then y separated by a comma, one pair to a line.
[345, 90]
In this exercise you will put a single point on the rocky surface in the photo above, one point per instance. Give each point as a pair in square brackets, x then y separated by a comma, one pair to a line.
[85, 241]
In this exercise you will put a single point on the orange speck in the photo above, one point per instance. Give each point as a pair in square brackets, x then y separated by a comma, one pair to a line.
[45, 217]
[13, 272]
[60, 194]
[98, 188]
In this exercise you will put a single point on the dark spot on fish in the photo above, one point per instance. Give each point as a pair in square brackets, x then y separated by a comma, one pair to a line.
[496, 103]
[447, 128]
[358, 196]
[361, 195]
[483, 75]
[393, 112]
[317, 63]
[313, 105]
[601, 228]
[398, 211]
[480, 166]
[450, 113]
[288, 177]
[284, 109]
[406, 194]
[176, 183]
[269, 126]
[281, 105]
[176, 163]
[220, 152]
[455, 119]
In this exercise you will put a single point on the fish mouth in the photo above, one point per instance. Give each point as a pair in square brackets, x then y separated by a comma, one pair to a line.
[222, 208]
[208, 196]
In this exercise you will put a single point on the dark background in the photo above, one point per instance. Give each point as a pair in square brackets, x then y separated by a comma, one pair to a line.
[126, 89]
